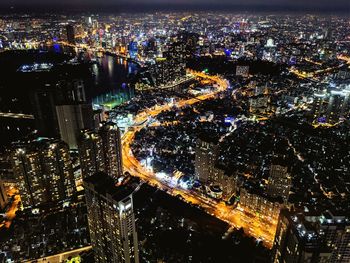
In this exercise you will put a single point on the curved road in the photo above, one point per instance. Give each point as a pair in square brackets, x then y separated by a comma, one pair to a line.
[263, 229]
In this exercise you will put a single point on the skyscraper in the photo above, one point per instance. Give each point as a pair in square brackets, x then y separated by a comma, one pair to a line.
[111, 219]
[43, 171]
[279, 182]
[101, 151]
[112, 149]
[171, 66]
[331, 107]
[91, 153]
[206, 155]
[3, 195]
[45, 98]
[71, 119]
[311, 238]
[255, 201]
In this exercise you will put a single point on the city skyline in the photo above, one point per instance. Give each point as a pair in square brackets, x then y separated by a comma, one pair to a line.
[169, 136]
[337, 6]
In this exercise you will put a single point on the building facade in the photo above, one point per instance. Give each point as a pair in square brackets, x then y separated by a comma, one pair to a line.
[112, 149]
[264, 206]
[91, 153]
[101, 151]
[43, 171]
[311, 238]
[71, 119]
[279, 182]
[111, 220]
[205, 159]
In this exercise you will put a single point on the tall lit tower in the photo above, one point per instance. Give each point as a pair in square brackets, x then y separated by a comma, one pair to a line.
[279, 182]
[101, 151]
[111, 220]
[206, 155]
[112, 149]
[43, 170]
[316, 238]
[91, 153]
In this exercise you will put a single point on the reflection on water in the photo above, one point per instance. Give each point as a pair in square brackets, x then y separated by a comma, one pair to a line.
[112, 76]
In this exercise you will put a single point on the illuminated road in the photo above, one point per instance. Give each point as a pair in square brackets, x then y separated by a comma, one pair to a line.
[253, 225]
[16, 115]
[62, 257]
[11, 212]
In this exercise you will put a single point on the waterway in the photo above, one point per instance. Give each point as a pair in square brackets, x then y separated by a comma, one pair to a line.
[113, 78]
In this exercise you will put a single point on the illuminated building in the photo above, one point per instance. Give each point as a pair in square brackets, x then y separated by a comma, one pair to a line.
[101, 151]
[133, 49]
[112, 149]
[214, 191]
[270, 43]
[111, 220]
[338, 106]
[91, 153]
[319, 106]
[71, 119]
[160, 72]
[227, 183]
[242, 71]
[43, 170]
[257, 202]
[311, 238]
[3, 195]
[171, 66]
[258, 104]
[70, 34]
[331, 107]
[279, 182]
[176, 55]
[205, 159]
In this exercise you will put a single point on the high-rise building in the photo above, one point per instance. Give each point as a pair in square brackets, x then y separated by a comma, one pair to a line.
[71, 119]
[331, 107]
[91, 153]
[101, 151]
[279, 182]
[171, 66]
[257, 202]
[112, 149]
[43, 171]
[70, 34]
[311, 238]
[3, 195]
[111, 220]
[228, 183]
[338, 106]
[205, 159]
[44, 100]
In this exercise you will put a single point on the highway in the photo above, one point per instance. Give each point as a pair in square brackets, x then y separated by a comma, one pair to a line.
[253, 225]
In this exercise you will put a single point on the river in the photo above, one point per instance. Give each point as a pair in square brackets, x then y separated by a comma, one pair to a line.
[112, 77]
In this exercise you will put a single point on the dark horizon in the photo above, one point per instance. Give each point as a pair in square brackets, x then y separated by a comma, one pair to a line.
[65, 7]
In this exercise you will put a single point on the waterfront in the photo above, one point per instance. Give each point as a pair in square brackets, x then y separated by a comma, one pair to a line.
[112, 80]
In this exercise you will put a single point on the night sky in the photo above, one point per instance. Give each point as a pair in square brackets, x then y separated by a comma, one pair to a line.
[300, 5]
